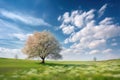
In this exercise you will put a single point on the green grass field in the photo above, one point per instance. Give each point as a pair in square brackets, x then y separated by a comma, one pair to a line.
[12, 69]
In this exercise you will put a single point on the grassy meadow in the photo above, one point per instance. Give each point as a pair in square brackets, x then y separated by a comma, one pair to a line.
[12, 69]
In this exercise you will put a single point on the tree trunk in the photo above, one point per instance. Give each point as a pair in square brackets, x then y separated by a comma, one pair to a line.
[43, 60]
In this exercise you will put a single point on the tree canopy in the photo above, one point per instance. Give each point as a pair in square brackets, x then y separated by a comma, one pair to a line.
[42, 44]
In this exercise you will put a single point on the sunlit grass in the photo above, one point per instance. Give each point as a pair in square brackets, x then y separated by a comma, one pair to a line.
[11, 69]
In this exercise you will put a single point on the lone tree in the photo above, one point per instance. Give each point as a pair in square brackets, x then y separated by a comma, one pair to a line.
[16, 56]
[94, 58]
[42, 44]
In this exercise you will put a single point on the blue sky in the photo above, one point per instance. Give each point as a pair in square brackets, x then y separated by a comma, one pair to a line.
[85, 28]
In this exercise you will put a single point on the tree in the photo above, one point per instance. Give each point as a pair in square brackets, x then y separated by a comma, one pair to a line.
[16, 56]
[42, 44]
[94, 58]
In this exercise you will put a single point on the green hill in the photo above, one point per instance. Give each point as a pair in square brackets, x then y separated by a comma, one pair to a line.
[17, 69]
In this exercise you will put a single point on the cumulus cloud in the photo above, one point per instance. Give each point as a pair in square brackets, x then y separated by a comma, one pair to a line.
[88, 34]
[97, 44]
[95, 32]
[77, 18]
[94, 52]
[27, 19]
[71, 51]
[67, 29]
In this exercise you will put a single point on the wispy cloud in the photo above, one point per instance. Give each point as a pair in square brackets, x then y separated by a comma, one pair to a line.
[7, 28]
[27, 19]
[21, 36]
[102, 10]
[11, 35]
[11, 43]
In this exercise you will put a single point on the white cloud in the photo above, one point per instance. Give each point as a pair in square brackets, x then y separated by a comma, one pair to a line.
[80, 18]
[6, 25]
[89, 36]
[114, 44]
[113, 40]
[7, 29]
[66, 17]
[71, 51]
[87, 31]
[107, 51]
[94, 52]
[59, 18]
[77, 18]
[67, 40]
[10, 53]
[96, 32]
[107, 31]
[106, 21]
[67, 29]
[97, 44]
[21, 37]
[66, 51]
[102, 10]
[27, 19]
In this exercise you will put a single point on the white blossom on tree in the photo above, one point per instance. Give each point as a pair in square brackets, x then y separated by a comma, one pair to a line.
[42, 44]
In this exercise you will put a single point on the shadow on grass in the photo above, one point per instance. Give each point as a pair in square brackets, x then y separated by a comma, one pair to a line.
[65, 65]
